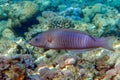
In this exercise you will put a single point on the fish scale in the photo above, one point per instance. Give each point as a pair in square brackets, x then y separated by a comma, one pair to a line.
[70, 39]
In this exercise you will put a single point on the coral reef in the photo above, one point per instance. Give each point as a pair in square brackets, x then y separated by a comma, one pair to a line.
[55, 20]
[20, 20]
[10, 69]
[100, 19]
[74, 13]
[23, 10]
[7, 46]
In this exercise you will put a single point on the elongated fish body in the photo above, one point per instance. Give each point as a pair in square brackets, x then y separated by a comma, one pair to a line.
[70, 39]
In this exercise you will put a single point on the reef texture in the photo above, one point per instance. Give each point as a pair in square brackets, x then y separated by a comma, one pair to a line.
[20, 20]
[21, 61]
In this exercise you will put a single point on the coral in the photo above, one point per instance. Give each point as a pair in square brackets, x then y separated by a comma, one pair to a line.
[60, 22]
[117, 68]
[110, 73]
[53, 20]
[4, 25]
[4, 62]
[25, 59]
[103, 18]
[102, 66]
[47, 5]
[10, 70]
[13, 14]
[12, 46]
[43, 73]
[86, 27]
[90, 11]
[3, 2]
[23, 10]
[106, 24]
[43, 4]
[34, 77]
[16, 72]
[113, 72]
[70, 61]
[7, 47]
[114, 3]
[62, 5]
[3, 14]
[65, 60]
[101, 63]
[67, 74]
[74, 13]
[83, 72]
[8, 33]
[48, 14]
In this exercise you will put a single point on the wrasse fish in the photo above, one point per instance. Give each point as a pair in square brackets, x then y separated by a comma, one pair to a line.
[69, 39]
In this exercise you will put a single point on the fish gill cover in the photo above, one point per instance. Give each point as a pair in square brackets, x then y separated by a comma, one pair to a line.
[20, 20]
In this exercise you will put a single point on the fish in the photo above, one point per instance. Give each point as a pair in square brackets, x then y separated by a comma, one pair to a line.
[70, 39]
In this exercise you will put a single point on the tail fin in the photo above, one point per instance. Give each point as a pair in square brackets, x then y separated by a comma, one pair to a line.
[107, 43]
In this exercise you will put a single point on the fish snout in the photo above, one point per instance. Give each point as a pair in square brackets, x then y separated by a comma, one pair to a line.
[30, 42]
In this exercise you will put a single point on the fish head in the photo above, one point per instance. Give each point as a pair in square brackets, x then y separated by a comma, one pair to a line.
[38, 41]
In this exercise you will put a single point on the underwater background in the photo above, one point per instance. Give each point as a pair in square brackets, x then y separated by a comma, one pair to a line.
[20, 20]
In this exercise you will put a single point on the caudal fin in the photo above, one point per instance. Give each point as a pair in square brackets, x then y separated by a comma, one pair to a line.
[107, 43]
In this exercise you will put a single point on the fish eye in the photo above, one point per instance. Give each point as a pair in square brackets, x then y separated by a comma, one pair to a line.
[36, 39]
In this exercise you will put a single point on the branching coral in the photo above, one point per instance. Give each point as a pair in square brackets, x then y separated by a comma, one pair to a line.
[60, 22]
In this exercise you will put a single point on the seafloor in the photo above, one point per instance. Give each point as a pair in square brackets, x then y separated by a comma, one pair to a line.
[20, 20]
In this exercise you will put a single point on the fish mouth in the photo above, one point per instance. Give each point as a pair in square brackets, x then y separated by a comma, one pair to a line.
[30, 43]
